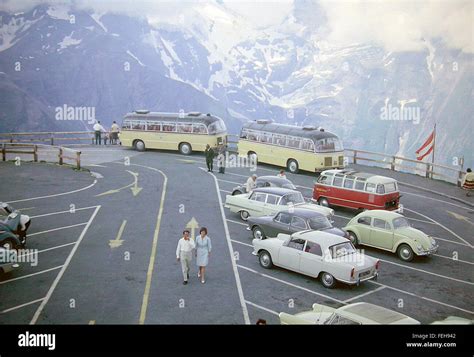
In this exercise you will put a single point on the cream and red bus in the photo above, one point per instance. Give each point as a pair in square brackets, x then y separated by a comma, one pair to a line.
[296, 148]
[185, 132]
[359, 190]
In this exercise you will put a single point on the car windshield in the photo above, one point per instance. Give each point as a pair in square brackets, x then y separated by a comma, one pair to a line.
[320, 222]
[342, 249]
[400, 222]
[292, 198]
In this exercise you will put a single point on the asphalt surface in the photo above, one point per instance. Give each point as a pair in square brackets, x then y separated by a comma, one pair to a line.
[83, 278]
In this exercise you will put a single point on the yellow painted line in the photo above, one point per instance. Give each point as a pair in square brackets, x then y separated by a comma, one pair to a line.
[117, 242]
[151, 264]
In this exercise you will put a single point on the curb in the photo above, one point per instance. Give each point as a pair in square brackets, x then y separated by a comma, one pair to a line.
[437, 193]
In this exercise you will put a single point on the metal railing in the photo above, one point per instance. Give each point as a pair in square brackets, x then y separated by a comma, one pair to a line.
[34, 150]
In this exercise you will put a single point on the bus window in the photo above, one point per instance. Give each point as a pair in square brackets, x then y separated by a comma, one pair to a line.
[370, 187]
[185, 128]
[154, 126]
[279, 140]
[139, 125]
[244, 134]
[252, 135]
[293, 142]
[380, 188]
[337, 180]
[308, 145]
[169, 127]
[266, 138]
[126, 124]
[325, 179]
[359, 185]
[199, 129]
[390, 187]
[328, 145]
[216, 127]
[348, 183]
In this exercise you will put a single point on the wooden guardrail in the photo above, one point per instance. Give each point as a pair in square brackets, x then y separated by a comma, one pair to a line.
[33, 149]
[49, 137]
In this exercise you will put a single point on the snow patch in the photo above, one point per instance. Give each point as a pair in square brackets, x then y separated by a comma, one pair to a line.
[68, 41]
[135, 57]
[58, 12]
[96, 18]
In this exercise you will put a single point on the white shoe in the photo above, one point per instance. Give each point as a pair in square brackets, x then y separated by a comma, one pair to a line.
[203, 281]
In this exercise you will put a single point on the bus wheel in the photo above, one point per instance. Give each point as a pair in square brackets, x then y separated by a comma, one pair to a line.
[293, 166]
[139, 145]
[323, 202]
[185, 148]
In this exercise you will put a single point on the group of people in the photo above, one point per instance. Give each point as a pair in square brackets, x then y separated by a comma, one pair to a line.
[221, 157]
[111, 135]
[468, 182]
[200, 247]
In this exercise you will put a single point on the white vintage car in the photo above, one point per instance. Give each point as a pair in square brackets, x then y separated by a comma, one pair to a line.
[317, 254]
[360, 313]
[267, 201]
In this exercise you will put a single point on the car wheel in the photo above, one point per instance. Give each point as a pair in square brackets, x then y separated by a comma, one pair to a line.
[185, 149]
[236, 192]
[328, 280]
[323, 202]
[353, 238]
[8, 244]
[244, 215]
[265, 259]
[139, 145]
[258, 233]
[405, 253]
[292, 166]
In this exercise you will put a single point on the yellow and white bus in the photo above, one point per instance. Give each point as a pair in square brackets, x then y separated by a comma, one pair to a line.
[296, 148]
[186, 132]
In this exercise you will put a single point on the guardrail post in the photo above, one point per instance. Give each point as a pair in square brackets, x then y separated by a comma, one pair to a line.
[427, 173]
[78, 160]
[52, 139]
[392, 164]
[4, 153]
[460, 177]
[354, 159]
[35, 153]
[60, 156]
[11, 138]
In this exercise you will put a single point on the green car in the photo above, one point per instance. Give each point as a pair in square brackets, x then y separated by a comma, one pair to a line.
[390, 231]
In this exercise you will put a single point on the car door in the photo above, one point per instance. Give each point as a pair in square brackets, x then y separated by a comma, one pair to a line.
[311, 262]
[256, 203]
[363, 229]
[290, 254]
[298, 224]
[279, 224]
[381, 234]
[271, 204]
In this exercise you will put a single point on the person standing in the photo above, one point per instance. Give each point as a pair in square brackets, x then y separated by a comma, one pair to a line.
[250, 184]
[221, 158]
[184, 254]
[203, 250]
[98, 130]
[114, 130]
[209, 157]
[468, 182]
[281, 174]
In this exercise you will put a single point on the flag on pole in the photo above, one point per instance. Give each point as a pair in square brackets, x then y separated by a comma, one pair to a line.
[427, 148]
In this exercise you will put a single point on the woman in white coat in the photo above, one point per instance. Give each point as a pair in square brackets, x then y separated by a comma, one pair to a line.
[203, 250]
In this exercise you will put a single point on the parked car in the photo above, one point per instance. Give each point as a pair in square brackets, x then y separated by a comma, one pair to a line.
[6, 265]
[359, 313]
[266, 181]
[454, 320]
[317, 254]
[290, 221]
[359, 190]
[392, 232]
[267, 201]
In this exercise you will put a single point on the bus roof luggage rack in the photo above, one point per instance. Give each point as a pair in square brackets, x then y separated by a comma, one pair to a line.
[142, 111]
[264, 121]
[309, 127]
[194, 114]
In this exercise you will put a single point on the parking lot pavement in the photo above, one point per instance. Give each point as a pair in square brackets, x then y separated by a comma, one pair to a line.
[106, 249]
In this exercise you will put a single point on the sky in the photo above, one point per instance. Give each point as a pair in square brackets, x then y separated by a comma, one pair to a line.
[396, 25]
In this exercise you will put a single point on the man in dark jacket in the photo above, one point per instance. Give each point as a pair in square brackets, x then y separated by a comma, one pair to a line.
[209, 157]
[221, 158]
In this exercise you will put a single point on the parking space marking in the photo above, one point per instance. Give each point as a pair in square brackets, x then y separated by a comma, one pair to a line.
[20, 306]
[55, 195]
[446, 228]
[420, 297]
[236, 222]
[30, 275]
[64, 267]
[364, 294]
[225, 191]
[435, 199]
[262, 308]
[232, 182]
[231, 252]
[57, 229]
[451, 241]
[48, 249]
[426, 272]
[454, 260]
[61, 212]
[289, 284]
[239, 242]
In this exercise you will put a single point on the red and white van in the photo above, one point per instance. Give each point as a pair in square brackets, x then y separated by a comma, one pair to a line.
[356, 190]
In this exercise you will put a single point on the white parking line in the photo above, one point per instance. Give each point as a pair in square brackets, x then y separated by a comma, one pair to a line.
[436, 199]
[57, 229]
[420, 297]
[20, 306]
[426, 272]
[239, 242]
[232, 182]
[290, 284]
[454, 260]
[451, 241]
[261, 308]
[364, 294]
[30, 275]
[48, 249]
[242, 224]
[225, 191]
[55, 195]
[446, 228]
[63, 269]
[61, 212]
[229, 245]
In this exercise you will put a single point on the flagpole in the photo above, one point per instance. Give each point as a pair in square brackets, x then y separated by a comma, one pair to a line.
[433, 156]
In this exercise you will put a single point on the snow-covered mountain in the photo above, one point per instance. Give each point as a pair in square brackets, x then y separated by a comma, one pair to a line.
[210, 58]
